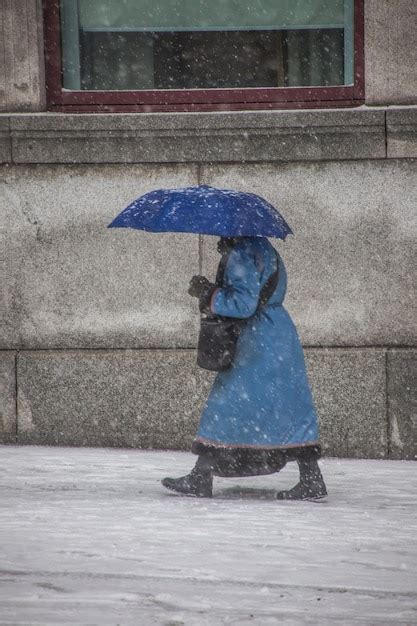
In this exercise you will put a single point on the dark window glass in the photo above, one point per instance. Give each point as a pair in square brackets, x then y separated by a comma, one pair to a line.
[138, 44]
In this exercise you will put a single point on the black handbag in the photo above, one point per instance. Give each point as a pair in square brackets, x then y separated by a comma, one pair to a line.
[217, 341]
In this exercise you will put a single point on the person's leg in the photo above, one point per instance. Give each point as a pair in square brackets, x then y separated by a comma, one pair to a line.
[227, 463]
[311, 485]
[243, 462]
[198, 483]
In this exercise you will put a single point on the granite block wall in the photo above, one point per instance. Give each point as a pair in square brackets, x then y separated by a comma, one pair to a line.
[98, 333]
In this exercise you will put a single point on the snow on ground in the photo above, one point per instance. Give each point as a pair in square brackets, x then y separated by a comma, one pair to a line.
[89, 536]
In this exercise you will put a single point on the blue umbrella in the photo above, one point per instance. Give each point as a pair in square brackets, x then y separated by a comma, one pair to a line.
[204, 210]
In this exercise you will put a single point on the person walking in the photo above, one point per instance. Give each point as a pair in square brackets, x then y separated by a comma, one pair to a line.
[260, 413]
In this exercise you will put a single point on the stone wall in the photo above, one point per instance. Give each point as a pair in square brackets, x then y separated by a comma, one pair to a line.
[98, 333]
[365, 397]
[22, 72]
[390, 51]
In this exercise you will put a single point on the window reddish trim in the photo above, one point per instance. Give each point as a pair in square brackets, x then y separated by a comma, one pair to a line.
[59, 99]
[359, 50]
[194, 108]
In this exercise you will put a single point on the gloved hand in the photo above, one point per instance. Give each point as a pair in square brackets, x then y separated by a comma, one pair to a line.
[199, 285]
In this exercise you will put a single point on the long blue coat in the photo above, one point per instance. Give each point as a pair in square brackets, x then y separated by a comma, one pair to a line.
[264, 401]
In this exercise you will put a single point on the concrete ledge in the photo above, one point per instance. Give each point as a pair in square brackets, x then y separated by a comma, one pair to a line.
[5, 141]
[203, 137]
[402, 133]
[402, 403]
[281, 136]
[7, 397]
[153, 398]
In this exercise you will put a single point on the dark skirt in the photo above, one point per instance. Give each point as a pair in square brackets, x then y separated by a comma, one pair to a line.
[241, 462]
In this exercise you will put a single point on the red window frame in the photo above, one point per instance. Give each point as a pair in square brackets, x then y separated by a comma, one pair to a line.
[59, 99]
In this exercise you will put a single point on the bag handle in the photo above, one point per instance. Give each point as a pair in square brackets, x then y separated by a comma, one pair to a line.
[269, 287]
[221, 270]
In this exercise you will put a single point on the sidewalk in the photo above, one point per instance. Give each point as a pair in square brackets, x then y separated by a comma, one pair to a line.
[89, 536]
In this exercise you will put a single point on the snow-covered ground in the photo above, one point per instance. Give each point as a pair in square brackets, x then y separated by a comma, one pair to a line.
[89, 536]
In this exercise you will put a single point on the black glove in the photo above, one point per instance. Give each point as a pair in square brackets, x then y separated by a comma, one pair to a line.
[202, 289]
[199, 285]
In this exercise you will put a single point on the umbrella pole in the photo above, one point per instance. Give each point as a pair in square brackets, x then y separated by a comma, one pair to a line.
[200, 254]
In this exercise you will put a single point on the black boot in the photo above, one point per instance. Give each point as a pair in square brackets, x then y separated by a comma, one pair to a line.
[311, 485]
[197, 483]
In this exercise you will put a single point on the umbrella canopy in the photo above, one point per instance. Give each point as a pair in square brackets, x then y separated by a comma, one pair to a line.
[204, 210]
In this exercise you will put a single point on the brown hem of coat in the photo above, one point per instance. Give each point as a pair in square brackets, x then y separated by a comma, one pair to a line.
[231, 446]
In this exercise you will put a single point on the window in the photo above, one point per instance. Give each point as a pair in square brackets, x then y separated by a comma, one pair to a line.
[203, 54]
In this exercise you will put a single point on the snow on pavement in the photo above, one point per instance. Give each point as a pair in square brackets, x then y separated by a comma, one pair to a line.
[89, 536]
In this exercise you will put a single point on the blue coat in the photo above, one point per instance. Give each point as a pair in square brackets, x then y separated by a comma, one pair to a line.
[264, 400]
